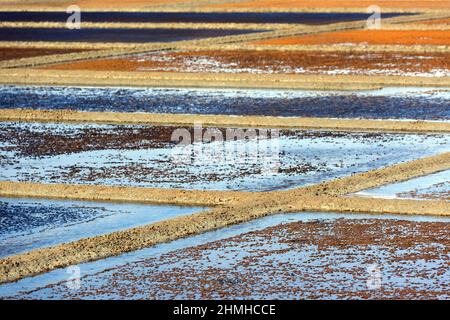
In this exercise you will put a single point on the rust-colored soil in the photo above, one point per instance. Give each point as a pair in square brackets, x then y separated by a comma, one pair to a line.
[300, 4]
[374, 37]
[301, 62]
[15, 53]
[69, 116]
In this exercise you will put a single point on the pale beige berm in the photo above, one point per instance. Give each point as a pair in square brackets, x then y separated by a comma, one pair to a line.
[27, 115]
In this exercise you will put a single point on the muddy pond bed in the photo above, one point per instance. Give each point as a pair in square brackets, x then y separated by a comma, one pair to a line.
[216, 158]
[366, 37]
[286, 256]
[387, 103]
[429, 64]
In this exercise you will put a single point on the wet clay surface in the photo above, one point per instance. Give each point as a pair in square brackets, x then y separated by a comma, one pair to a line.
[408, 103]
[266, 62]
[438, 191]
[18, 53]
[113, 35]
[317, 259]
[36, 141]
[146, 155]
[366, 37]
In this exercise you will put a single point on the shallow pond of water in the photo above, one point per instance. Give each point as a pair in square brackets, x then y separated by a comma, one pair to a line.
[434, 186]
[146, 156]
[388, 103]
[218, 250]
[27, 224]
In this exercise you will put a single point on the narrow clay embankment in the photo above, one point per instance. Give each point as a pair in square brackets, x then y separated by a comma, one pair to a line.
[259, 273]
[222, 121]
[215, 80]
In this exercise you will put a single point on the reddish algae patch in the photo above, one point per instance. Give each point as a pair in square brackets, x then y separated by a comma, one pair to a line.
[272, 61]
[367, 37]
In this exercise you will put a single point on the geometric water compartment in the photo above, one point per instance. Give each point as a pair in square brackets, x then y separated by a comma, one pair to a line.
[27, 224]
[435, 186]
[388, 103]
[116, 277]
[114, 35]
[146, 156]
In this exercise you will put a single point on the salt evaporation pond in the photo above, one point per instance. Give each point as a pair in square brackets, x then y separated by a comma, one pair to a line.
[114, 34]
[27, 224]
[430, 187]
[147, 156]
[388, 103]
[285, 256]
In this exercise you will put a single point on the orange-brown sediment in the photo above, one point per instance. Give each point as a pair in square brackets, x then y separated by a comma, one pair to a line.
[270, 60]
[306, 4]
[365, 37]
[16, 53]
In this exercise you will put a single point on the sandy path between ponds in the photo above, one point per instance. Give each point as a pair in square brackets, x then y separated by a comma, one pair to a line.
[120, 194]
[208, 80]
[28, 115]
